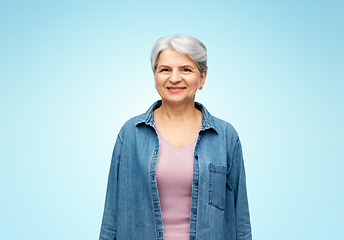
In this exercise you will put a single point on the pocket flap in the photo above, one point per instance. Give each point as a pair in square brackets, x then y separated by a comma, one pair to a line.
[217, 168]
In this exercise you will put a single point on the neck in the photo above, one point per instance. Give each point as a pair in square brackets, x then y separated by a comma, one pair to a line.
[177, 112]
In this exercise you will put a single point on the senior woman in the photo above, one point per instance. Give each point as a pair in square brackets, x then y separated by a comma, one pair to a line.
[177, 172]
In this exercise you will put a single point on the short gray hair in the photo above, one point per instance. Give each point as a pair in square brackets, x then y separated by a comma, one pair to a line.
[191, 46]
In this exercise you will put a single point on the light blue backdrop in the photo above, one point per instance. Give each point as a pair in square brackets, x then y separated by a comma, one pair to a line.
[72, 72]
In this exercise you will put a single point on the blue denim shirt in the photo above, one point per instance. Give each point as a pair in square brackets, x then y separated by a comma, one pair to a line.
[219, 206]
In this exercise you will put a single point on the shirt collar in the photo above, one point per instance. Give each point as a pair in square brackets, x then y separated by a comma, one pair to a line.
[207, 118]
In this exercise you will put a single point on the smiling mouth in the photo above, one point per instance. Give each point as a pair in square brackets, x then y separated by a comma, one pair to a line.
[175, 89]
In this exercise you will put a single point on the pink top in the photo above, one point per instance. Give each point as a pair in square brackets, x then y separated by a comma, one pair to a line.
[174, 180]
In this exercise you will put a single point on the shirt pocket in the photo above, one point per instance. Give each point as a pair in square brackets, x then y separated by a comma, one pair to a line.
[217, 185]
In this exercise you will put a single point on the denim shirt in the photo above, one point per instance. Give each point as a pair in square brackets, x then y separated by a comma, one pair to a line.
[219, 205]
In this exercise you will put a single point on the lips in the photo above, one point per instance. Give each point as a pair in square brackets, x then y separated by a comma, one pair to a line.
[175, 89]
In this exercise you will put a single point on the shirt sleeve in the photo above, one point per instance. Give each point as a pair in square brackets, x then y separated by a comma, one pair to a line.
[238, 180]
[109, 223]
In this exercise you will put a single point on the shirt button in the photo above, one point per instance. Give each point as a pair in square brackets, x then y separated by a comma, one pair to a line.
[159, 233]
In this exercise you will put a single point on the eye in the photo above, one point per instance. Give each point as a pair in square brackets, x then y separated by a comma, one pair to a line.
[186, 70]
[164, 70]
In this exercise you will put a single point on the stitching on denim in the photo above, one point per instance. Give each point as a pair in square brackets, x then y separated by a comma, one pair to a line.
[216, 168]
[154, 188]
[229, 168]
[211, 172]
[195, 188]
[120, 138]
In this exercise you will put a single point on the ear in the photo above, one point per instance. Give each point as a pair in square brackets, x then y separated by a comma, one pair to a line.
[202, 80]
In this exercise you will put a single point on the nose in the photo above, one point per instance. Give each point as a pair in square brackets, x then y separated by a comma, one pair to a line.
[175, 77]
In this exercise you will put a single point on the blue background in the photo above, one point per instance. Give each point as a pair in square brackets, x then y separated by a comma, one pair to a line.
[72, 72]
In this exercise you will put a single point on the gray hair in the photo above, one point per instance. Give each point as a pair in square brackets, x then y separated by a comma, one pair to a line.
[191, 46]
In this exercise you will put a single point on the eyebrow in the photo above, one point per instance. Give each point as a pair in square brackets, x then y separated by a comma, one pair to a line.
[162, 66]
[189, 66]
[182, 66]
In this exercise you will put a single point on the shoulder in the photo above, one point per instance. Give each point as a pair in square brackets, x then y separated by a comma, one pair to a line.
[221, 126]
[130, 125]
[144, 119]
[224, 127]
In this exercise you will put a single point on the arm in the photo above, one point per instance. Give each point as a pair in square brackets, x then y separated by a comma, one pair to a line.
[109, 223]
[238, 180]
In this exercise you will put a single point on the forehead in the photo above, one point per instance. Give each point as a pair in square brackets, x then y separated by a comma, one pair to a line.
[173, 57]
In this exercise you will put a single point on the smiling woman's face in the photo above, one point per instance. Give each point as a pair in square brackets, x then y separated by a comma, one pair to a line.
[177, 77]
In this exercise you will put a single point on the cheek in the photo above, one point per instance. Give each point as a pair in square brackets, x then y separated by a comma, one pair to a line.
[158, 84]
[196, 81]
[159, 81]
[156, 81]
